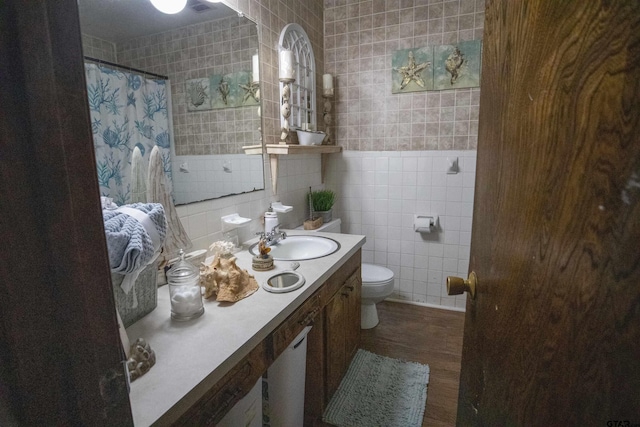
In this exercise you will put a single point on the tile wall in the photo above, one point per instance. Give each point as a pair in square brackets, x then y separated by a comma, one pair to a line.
[207, 177]
[98, 48]
[379, 193]
[221, 46]
[360, 38]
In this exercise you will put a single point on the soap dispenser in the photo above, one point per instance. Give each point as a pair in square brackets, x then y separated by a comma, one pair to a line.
[270, 220]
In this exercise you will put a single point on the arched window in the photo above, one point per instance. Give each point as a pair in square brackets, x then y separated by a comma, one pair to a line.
[303, 96]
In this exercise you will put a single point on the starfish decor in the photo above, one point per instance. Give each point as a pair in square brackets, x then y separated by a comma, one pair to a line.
[412, 71]
[250, 91]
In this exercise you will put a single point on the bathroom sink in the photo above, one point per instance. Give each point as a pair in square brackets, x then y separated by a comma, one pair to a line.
[300, 248]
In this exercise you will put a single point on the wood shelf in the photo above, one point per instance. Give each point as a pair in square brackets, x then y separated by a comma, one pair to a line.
[252, 149]
[302, 149]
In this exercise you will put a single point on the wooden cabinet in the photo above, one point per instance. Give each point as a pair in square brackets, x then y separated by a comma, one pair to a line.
[342, 331]
[334, 312]
[215, 404]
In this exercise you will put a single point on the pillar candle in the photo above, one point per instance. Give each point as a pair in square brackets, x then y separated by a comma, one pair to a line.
[286, 64]
[255, 66]
[327, 84]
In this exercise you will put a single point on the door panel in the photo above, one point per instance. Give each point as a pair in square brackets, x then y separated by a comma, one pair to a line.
[60, 352]
[553, 335]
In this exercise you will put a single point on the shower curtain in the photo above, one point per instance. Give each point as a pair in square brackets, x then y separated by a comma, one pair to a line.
[127, 111]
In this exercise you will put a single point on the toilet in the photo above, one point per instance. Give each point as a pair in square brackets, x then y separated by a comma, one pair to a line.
[377, 282]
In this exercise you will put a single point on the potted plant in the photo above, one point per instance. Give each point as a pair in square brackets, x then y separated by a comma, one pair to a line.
[322, 201]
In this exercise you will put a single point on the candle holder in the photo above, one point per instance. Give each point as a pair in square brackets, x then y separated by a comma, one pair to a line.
[285, 109]
[326, 115]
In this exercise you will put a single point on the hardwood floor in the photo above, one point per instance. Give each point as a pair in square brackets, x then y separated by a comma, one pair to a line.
[425, 335]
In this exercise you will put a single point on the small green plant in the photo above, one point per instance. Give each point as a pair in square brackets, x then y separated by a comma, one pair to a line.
[322, 200]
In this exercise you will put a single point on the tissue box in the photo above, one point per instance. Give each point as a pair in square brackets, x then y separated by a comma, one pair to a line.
[146, 290]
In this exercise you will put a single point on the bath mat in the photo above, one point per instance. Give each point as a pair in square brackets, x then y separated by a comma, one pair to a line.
[379, 391]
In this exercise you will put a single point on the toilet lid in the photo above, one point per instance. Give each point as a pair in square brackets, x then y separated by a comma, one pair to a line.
[375, 273]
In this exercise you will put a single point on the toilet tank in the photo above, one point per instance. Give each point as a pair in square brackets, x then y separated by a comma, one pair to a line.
[334, 226]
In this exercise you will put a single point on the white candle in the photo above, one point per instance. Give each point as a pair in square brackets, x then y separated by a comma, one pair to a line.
[286, 64]
[327, 81]
[255, 66]
[327, 85]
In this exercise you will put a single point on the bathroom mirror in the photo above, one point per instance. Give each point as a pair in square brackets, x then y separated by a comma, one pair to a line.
[285, 281]
[200, 117]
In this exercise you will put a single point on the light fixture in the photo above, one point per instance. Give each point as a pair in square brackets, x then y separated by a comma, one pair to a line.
[169, 6]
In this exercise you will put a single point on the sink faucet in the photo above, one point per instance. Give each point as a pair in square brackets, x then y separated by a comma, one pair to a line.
[272, 237]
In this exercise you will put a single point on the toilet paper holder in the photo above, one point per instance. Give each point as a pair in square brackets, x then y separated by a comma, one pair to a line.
[425, 223]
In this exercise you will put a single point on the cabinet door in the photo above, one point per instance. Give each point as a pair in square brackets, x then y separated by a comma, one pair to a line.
[335, 317]
[353, 301]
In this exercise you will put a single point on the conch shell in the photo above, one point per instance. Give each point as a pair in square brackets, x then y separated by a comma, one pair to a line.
[228, 282]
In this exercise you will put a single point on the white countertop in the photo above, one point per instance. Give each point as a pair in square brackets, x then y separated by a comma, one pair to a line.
[193, 356]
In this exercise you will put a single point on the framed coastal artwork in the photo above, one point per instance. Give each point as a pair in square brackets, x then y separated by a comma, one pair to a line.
[457, 66]
[412, 70]
[436, 67]
[222, 91]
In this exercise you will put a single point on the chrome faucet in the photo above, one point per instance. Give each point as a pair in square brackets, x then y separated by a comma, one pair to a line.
[272, 237]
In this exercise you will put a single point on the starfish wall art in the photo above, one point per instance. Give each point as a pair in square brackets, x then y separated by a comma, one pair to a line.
[222, 91]
[436, 67]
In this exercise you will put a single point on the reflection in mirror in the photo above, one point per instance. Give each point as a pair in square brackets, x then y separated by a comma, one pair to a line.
[200, 117]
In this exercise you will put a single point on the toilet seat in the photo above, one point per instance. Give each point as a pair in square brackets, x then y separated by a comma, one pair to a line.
[375, 274]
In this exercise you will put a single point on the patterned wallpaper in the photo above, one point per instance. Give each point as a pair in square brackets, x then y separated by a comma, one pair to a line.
[360, 38]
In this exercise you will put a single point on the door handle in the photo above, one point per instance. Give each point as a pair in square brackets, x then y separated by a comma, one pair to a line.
[458, 285]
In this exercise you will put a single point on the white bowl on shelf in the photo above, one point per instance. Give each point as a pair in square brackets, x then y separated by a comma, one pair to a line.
[308, 137]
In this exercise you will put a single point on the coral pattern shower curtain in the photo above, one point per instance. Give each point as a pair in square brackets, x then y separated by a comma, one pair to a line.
[127, 111]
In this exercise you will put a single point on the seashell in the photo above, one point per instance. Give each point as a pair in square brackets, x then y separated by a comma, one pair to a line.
[141, 360]
[197, 93]
[285, 110]
[162, 139]
[110, 137]
[228, 282]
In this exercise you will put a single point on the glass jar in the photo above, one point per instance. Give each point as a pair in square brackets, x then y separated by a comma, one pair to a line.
[184, 290]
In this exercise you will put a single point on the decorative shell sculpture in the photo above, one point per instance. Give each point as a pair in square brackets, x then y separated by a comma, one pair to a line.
[228, 282]
[197, 93]
[453, 63]
[142, 358]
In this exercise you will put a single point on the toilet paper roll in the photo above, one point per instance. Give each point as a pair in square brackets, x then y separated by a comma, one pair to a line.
[422, 224]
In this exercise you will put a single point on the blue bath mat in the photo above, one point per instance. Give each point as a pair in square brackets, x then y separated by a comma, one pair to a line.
[379, 391]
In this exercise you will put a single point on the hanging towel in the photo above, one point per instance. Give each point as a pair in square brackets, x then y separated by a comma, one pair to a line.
[138, 177]
[157, 192]
[134, 234]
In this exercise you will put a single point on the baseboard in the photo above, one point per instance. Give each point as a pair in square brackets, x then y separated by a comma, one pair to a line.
[426, 304]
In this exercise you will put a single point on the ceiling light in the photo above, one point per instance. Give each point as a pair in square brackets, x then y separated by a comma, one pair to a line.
[169, 6]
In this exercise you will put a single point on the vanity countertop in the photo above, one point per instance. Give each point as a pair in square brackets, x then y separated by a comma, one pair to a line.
[193, 356]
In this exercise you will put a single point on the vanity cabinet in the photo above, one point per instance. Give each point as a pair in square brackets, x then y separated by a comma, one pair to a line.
[334, 312]
[342, 331]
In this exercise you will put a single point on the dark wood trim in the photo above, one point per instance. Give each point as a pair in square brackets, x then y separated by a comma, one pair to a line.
[60, 341]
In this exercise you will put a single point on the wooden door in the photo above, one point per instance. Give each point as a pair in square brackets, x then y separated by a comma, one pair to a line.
[60, 352]
[553, 336]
